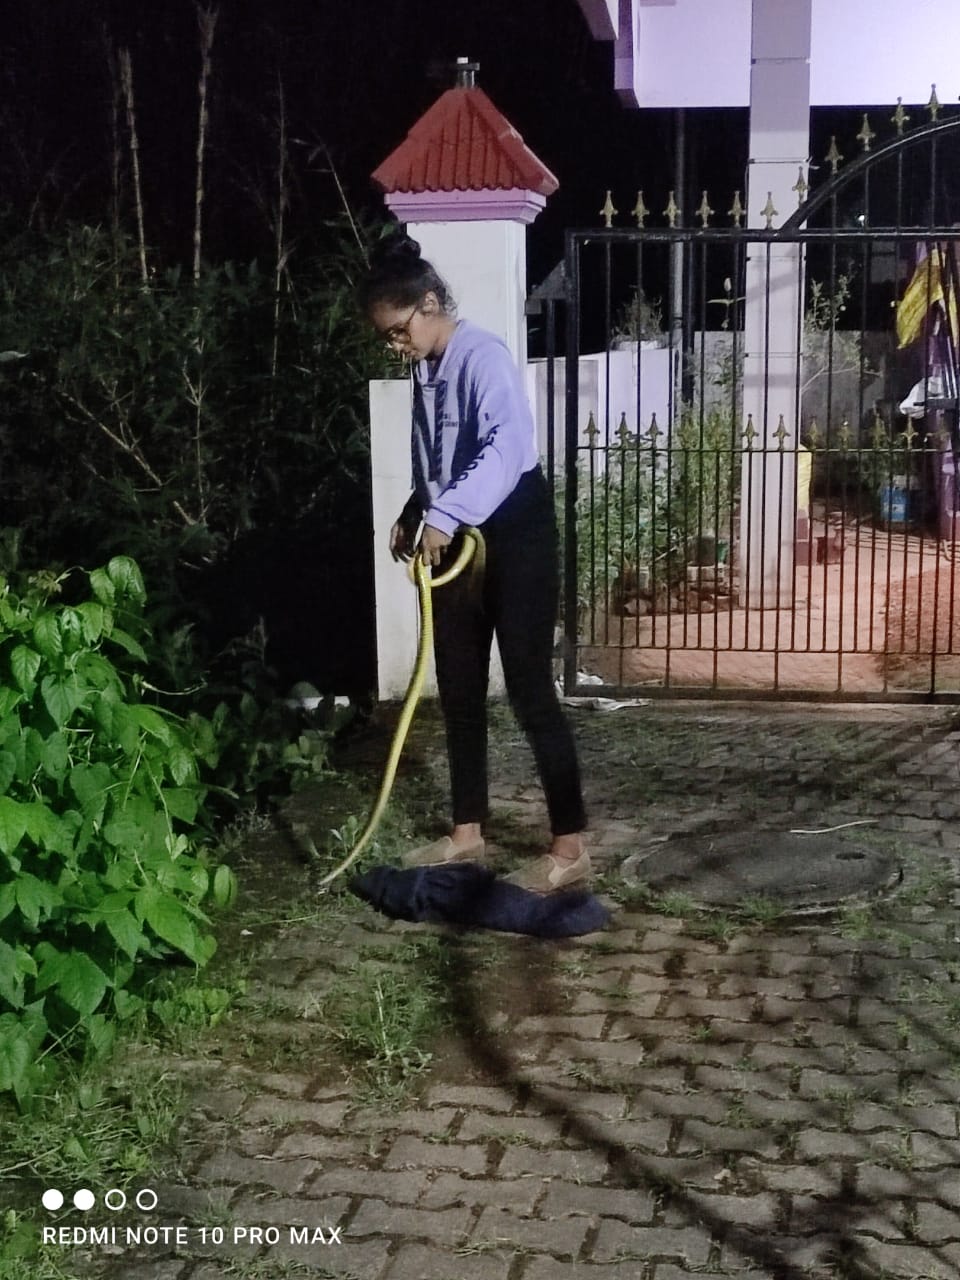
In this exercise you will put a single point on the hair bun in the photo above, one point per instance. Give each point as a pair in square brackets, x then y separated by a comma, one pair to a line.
[394, 248]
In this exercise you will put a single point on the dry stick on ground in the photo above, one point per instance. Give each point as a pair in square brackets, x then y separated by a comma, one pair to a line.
[126, 77]
[196, 389]
[207, 20]
[282, 253]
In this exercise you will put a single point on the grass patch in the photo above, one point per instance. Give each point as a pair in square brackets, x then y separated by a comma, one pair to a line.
[381, 1020]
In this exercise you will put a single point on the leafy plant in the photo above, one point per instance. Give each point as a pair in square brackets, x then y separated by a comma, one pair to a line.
[100, 794]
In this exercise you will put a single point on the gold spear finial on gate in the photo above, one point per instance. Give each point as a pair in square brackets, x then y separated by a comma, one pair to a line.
[608, 212]
[769, 212]
[672, 211]
[866, 134]
[900, 117]
[591, 431]
[640, 210]
[833, 156]
[623, 431]
[750, 431]
[801, 186]
[653, 430]
[781, 433]
[736, 209]
[704, 212]
[933, 106]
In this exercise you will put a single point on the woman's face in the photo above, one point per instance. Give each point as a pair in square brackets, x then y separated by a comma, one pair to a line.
[412, 332]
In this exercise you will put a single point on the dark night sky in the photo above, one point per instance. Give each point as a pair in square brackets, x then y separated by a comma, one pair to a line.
[356, 76]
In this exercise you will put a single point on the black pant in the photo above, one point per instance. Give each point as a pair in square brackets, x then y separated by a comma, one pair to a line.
[518, 601]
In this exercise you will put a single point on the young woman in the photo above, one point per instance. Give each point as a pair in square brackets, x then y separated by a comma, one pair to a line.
[475, 463]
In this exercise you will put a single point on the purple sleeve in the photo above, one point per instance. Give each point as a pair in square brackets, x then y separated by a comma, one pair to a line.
[507, 450]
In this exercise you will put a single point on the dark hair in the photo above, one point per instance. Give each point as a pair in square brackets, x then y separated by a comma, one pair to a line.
[399, 277]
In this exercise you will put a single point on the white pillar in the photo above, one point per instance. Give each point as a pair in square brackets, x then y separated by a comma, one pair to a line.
[779, 148]
[485, 265]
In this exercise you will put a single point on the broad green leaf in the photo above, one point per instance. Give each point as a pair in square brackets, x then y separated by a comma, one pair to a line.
[78, 981]
[224, 887]
[8, 769]
[11, 980]
[10, 726]
[126, 1004]
[91, 783]
[127, 642]
[46, 634]
[61, 696]
[101, 1034]
[182, 803]
[28, 750]
[115, 912]
[152, 722]
[13, 824]
[102, 586]
[170, 922]
[25, 663]
[8, 898]
[125, 574]
[182, 766]
[92, 619]
[99, 672]
[44, 828]
[55, 756]
[71, 630]
[123, 832]
[35, 898]
[16, 1055]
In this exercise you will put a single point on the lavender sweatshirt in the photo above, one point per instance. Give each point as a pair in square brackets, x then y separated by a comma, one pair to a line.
[473, 433]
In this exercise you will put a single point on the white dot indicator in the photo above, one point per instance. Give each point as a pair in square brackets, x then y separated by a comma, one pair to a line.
[52, 1199]
[118, 1200]
[145, 1195]
[84, 1199]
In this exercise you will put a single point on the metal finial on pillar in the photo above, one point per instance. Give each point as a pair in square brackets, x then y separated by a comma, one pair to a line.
[640, 210]
[933, 106]
[672, 211]
[866, 134]
[769, 212]
[801, 186]
[608, 212]
[466, 73]
[736, 209]
[833, 156]
[704, 212]
[900, 117]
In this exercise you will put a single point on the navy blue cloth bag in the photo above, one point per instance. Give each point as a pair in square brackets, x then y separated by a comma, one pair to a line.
[471, 896]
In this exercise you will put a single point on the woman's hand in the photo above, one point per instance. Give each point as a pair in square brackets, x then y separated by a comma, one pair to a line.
[433, 543]
[402, 539]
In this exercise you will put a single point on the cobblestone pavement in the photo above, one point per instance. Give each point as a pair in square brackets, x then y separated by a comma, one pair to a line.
[680, 1095]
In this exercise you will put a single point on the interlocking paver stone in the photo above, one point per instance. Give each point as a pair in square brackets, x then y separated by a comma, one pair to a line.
[653, 1105]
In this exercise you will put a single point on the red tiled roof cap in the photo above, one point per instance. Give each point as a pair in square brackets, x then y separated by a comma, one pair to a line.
[463, 143]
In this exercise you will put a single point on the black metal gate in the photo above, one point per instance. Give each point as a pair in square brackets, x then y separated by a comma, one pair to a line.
[757, 467]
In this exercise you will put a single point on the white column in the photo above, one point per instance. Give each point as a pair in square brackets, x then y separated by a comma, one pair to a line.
[779, 148]
[485, 264]
[396, 596]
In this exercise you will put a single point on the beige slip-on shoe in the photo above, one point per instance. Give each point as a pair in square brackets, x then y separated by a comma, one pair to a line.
[548, 874]
[443, 850]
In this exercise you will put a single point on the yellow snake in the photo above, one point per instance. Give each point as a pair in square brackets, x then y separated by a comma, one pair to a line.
[473, 549]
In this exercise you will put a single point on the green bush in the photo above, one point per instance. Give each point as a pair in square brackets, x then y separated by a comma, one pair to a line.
[100, 864]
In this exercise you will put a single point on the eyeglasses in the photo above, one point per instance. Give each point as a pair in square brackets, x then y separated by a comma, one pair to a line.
[398, 333]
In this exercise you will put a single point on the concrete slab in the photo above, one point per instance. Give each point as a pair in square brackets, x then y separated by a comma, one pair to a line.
[800, 872]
